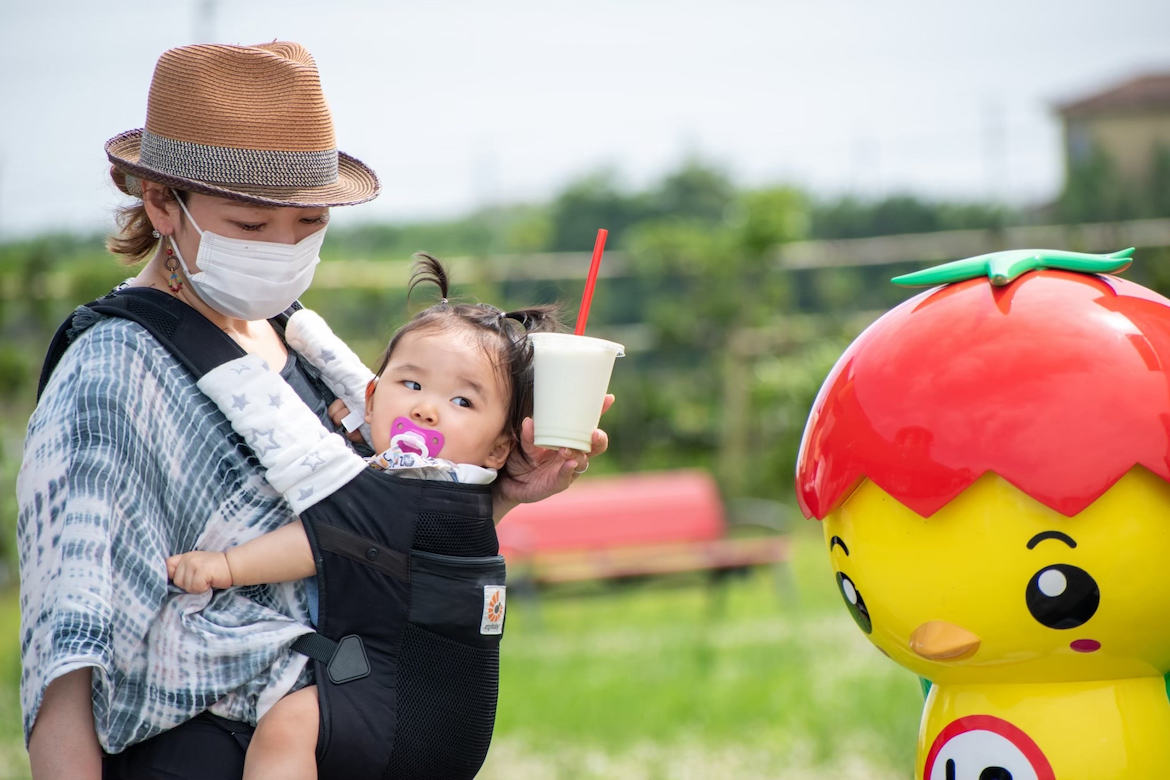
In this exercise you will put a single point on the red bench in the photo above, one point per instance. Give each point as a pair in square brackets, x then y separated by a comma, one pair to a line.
[634, 525]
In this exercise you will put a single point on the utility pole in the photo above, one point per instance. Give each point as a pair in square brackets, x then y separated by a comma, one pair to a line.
[864, 169]
[995, 150]
[204, 23]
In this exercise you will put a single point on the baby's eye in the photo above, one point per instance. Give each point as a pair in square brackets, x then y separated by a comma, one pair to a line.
[461, 401]
[410, 384]
[854, 602]
[1062, 596]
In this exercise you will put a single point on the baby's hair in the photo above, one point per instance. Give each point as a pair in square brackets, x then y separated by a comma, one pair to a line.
[502, 334]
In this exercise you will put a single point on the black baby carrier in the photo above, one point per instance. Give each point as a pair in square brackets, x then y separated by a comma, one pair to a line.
[406, 652]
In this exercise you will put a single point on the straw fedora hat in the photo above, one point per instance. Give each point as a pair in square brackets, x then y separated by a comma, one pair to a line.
[248, 123]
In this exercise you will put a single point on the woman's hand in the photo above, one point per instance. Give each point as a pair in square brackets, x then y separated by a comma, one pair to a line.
[549, 471]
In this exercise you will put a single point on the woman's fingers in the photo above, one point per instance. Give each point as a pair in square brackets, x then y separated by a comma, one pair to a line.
[600, 442]
[556, 469]
[338, 411]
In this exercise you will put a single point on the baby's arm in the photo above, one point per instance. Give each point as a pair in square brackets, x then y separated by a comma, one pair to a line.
[278, 556]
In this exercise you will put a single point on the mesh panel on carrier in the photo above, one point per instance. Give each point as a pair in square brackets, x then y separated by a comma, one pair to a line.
[444, 688]
[455, 535]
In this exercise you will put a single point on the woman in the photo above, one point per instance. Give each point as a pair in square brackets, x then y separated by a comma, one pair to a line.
[126, 462]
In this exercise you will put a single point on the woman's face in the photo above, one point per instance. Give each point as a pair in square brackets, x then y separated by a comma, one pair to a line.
[233, 219]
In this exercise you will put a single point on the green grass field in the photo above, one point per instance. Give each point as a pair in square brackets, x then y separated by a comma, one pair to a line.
[770, 680]
[767, 678]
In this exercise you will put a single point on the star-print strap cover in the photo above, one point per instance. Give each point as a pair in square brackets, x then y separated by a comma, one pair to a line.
[341, 370]
[304, 461]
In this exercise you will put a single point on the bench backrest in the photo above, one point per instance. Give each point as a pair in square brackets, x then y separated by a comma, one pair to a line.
[605, 512]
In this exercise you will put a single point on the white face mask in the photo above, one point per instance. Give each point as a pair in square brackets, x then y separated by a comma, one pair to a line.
[250, 280]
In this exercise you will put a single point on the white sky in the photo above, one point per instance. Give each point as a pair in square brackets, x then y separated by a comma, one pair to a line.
[458, 104]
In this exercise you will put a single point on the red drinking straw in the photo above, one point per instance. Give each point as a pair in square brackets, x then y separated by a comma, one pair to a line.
[590, 282]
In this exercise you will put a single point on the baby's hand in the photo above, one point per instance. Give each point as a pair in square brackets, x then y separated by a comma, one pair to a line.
[198, 571]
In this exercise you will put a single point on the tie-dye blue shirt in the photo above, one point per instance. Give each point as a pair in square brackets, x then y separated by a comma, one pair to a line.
[125, 463]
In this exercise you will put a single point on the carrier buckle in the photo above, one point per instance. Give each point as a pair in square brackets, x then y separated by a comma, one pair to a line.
[349, 661]
[344, 660]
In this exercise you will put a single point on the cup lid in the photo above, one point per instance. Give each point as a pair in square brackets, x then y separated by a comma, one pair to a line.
[572, 340]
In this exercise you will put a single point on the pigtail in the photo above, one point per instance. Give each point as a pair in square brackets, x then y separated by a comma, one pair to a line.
[536, 319]
[427, 268]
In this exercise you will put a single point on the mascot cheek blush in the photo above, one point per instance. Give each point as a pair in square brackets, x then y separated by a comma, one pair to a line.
[991, 461]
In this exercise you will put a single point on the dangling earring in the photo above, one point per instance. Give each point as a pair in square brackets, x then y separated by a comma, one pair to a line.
[172, 264]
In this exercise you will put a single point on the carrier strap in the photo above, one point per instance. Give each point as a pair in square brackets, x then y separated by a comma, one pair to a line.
[317, 647]
[194, 341]
[346, 660]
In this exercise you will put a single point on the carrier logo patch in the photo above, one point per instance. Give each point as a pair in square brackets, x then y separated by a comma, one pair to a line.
[493, 609]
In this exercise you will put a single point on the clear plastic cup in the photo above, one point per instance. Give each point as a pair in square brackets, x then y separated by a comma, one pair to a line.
[571, 379]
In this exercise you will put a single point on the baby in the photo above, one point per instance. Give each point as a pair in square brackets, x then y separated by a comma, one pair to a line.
[454, 382]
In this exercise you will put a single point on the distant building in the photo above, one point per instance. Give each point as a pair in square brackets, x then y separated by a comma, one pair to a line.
[1129, 123]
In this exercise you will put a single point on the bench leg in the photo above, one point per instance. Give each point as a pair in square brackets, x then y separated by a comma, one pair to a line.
[785, 583]
[717, 588]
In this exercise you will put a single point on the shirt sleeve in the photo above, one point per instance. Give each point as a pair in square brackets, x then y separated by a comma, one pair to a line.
[68, 489]
[125, 463]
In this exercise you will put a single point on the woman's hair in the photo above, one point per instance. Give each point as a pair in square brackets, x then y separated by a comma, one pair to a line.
[135, 240]
[503, 335]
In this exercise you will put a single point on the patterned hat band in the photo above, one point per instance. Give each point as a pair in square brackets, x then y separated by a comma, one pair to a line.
[223, 164]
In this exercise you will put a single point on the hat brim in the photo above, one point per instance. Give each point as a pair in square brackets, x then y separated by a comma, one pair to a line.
[356, 183]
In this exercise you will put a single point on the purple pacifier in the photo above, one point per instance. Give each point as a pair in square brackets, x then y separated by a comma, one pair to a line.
[409, 437]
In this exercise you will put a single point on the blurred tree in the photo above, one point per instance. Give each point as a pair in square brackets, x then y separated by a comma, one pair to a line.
[689, 400]
[696, 191]
[769, 217]
[591, 202]
[16, 373]
[903, 214]
[528, 229]
[845, 217]
[1160, 183]
[849, 217]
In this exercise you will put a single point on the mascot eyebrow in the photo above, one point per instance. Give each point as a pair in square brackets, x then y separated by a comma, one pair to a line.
[1035, 540]
[840, 541]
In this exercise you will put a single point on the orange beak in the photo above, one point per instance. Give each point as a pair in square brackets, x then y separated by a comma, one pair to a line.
[938, 640]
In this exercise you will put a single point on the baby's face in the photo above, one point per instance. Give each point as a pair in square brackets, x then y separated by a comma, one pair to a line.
[445, 381]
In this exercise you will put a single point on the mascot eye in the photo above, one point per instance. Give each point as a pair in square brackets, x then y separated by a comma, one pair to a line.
[854, 602]
[1062, 596]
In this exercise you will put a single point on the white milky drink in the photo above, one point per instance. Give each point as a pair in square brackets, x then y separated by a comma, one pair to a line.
[571, 379]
